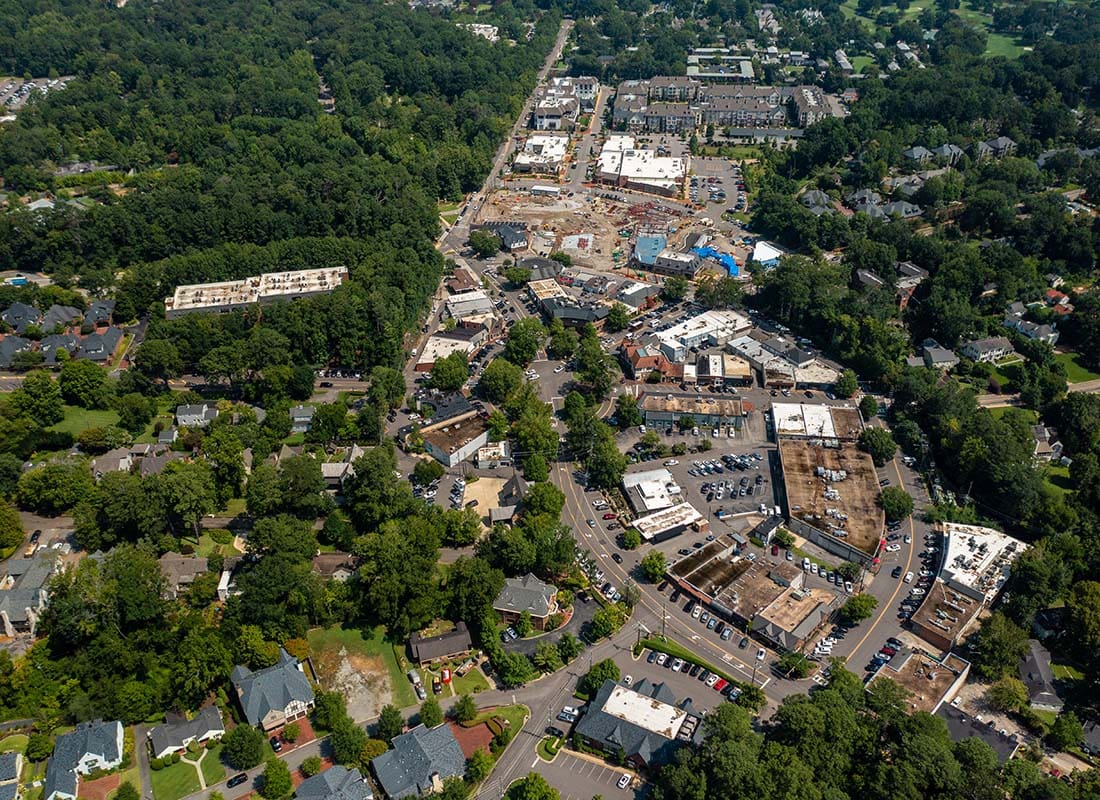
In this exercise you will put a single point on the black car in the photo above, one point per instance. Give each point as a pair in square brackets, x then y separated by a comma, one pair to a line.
[236, 780]
[326, 384]
[35, 537]
[552, 731]
[618, 559]
[651, 657]
[744, 642]
[276, 745]
[896, 572]
[694, 670]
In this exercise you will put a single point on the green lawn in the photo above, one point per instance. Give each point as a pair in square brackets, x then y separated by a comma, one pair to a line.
[131, 776]
[516, 715]
[1000, 411]
[208, 547]
[1066, 672]
[81, 419]
[1058, 478]
[213, 771]
[353, 639]
[859, 63]
[1000, 45]
[174, 782]
[1076, 372]
[14, 743]
[470, 683]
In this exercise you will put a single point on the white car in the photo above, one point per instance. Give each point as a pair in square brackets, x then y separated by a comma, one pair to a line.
[893, 548]
[695, 612]
[559, 368]
[677, 664]
[628, 680]
[813, 567]
[711, 680]
[661, 659]
[624, 781]
[848, 586]
[916, 592]
[672, 462]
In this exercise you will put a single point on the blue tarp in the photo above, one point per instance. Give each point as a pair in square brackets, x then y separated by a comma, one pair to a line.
[724, 259]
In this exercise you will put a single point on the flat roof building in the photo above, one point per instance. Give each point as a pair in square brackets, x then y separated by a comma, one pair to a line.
[817, 422]
[931, 681]
[651, 490]
[460, 306]
[454, 441]
[978, 559]
[666, 410]
[669, 522]
[234, 295]
[711, 328]
[945, 616]
[542, 152]
[545, 289]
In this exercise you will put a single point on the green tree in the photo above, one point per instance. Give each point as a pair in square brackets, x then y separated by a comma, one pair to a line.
[618, 318]
[158, 360]
[390, 723]
[478, 766]
[632, 540]
[868, 407]
[605, 670]
[464, 709]
[127, 791]
[569, 647]
[896, 503]
[524, 627]
[847, 384]
[11, 527]
[54, 488]
[653, 566]
[277, 782]
[879, 443]
[39, 747]
[626, 409]
[608, 620]
[134, 411]
[675, 289]
[998, 646]
[546, 657]
[533, 787]
[793, 664]
[427, 470]
[329, 708]
[243, 747]
[517, 276]
[449, 373]
[1066, 732]
[264, 495]
[484, 244]
[83, 384]
[858, 608]
[1007, 694]
[387, 387]
[524, 340]
[347, 741]
[39, 397]
[225, 452]
[430, 713]
[499, 380]
[310, 767]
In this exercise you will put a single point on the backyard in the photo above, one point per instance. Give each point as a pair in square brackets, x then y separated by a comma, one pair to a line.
[1076, 371]
[176, 781]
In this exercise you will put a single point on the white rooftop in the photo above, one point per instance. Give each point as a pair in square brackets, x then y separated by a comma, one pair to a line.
[439, 347]
[645, 712]
[764, 252]
[658, 522]
[799, 419]
[272, 285]
[715, 324]
[978, 557]
[651, 490]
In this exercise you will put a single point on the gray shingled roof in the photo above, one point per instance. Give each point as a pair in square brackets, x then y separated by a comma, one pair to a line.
[178, 731]
[526, 594]
[10, 346]
[90, 738]
[445, 644]
[100, 346]
[20, 315]
[407, 769]
[599, 726]
[60, 315]
[8, 767]
[337, 783]
[99, 311]
[271, 689]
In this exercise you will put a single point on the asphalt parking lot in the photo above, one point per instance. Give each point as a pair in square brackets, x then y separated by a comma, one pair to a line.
[718, 174]
[683, 685]
[578, 778]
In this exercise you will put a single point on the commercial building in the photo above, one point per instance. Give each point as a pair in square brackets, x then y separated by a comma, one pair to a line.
[466, 304]
[723, 369]
[832, 490]
[621, 163]
[439, 346]
[545, 289]
[961, 726]
[651, 490]
[829, 424]
[493, 455]
[636, 295]
[229, 296]
[667, 523]
[673, 262]
[946, 616]
[763, 595]
[930, 680]
[643, 723]
[526, 595]
[666, 410]
[709, 329]
[978, 560]
[453, 441]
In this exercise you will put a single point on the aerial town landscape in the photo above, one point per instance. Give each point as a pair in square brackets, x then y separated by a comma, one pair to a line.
[550, 401]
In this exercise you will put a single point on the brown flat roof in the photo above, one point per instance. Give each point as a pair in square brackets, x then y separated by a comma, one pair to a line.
[946, 611]
[858, 492]
[454, 435]
[794, 605]
[925, 677]
[846, 422]
[690, 404]
[690, 563]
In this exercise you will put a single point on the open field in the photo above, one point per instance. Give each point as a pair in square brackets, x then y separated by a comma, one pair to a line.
[363, 667]
[81, 419]
[1057, 477]
[1076, 371]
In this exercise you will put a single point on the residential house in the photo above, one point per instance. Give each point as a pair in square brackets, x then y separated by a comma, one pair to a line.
[51, 345]
[177, 731]
[60, 317]
[121, 459]
[948, 153]
[1037, 675]
[335, 783]
[19, 316]
[994, 148]
[301, 418]
[99, 313]
[817, 201]
[988, 350]
[273, 696]
[527, 595]
[11, 765]
[180, 571]
[513, 235]
[419, 762]
[101, 346]
[453, 644]
[168, 435]
[917, 155]
[1047, 446]
[901, 208]
[863, 199]
[196, 415]
[335, 566]
[870, 279]
[155, 464]
[935, 356]
[24, 592]
[90, 747]
[643, 724]
[1033, 330]
[9, 346]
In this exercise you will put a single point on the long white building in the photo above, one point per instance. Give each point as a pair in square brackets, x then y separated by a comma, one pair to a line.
[229, 296]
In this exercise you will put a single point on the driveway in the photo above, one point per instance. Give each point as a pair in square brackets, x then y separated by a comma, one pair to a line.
[582, 615]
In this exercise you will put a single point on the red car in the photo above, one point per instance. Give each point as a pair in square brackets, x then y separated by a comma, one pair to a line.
[720, 685]
[609, 515]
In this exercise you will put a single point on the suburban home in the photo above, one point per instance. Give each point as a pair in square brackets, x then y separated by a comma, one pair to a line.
[1032, 330]
[99, 313]
[168, 435]
[177, 731]
[301, 418]
[273, 696]
[9, 346]
[419, 762]
[1047, 446]
[118, 460]
[643, 722]
[529, 594]
[1038, 677]
[335, 783]
[51, 345]
[196, 416]
[23, 591]
[19, 316]
[453, 644]
[92, 746]
[917, 154]
[180, 571]
[11, 765]
[987, 350]
[949, 153]
[60, 317]
[100, 347]
[335, 566]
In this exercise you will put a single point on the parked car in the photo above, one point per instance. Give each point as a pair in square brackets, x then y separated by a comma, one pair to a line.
[236, 780]
[276, 745]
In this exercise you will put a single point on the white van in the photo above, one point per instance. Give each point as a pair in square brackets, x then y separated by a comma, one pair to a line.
[908, 577]
[806, 564]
